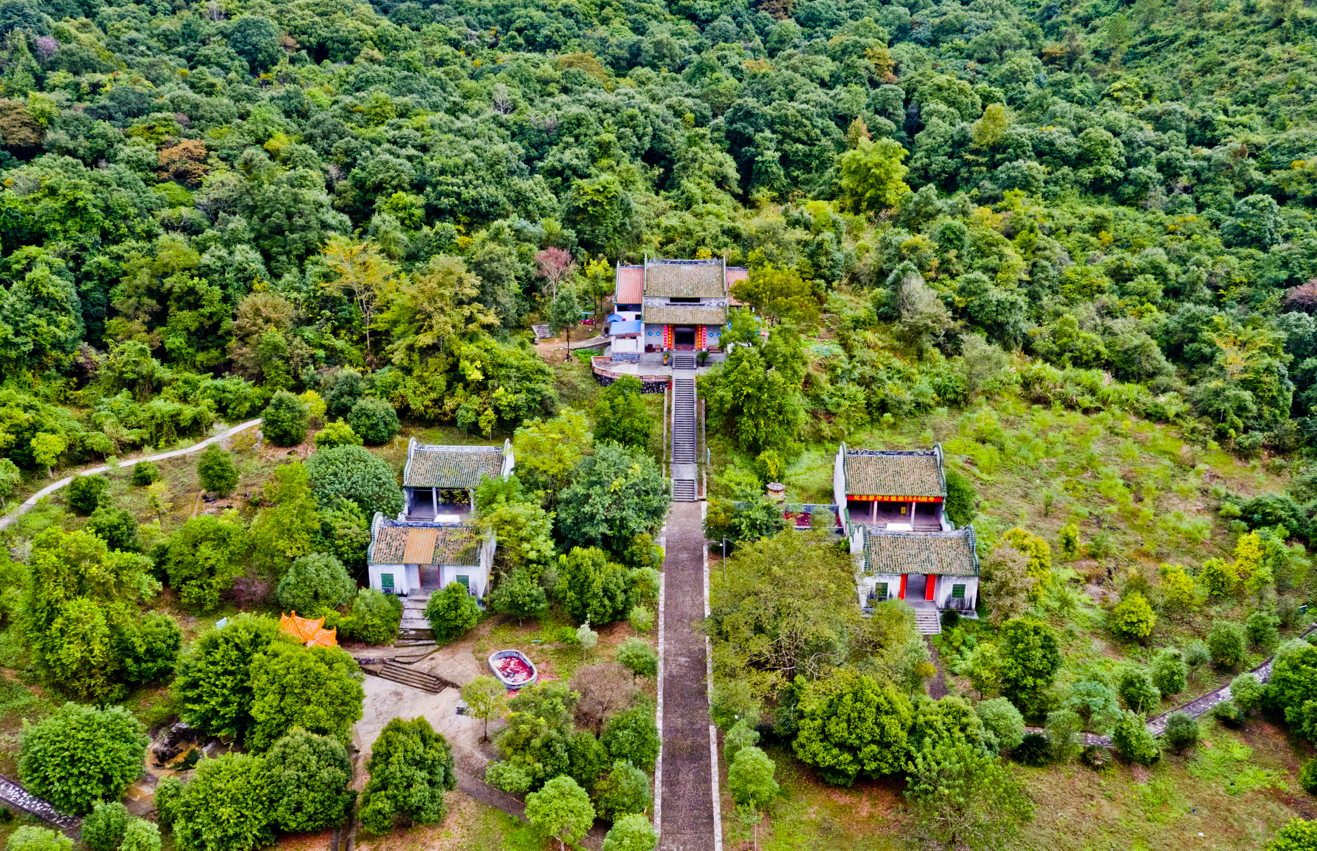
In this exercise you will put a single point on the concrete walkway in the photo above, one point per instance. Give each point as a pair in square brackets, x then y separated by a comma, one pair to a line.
[163, 456]
[684, 811]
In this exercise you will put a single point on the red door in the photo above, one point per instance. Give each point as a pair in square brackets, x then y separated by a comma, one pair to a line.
[902, 594]
[930, 587]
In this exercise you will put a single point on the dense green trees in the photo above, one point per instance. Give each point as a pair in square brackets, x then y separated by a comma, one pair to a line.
[410, 768]
[315, 688]
[214, 678]
[81, 615]
[851, 725]
[81, 755]
[216, 471]
[354, 474]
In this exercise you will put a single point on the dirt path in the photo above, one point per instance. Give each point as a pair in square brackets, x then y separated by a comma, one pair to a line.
[163, 456]
[684, 808]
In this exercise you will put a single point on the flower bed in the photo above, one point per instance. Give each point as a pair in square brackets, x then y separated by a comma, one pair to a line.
[513, 669]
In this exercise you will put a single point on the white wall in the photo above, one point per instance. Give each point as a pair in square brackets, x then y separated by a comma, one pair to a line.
[943, 594]
[868, 582]
[839, 486]
[404, 577]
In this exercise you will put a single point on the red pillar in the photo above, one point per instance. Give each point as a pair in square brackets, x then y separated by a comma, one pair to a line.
[930, 587]
[901, 596]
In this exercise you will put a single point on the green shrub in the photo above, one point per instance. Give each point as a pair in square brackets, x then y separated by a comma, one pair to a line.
[623, 791]
[1308, 777]
[1181, 732]
[1169, 672]
[216, 471]
[1226, 644]
[337, 434]
[508, 777]
[374, 419]
[285, 420]
[1002, 722]
[1132, 618]
[80, 755]
[1299, 835]
[354, 474]
[374, 617]
[962, 501]
[638, 658]
[227, 806]
[1229, 714]
[407, 756]
[149, 647]
[1263, 629]
[32, 838]
[451, 612]
[1136, 689]
[742, 735]
[141, 835]
[145, 473]
[309, 777]
[1033, 750]
[632, 735]
[86, 493]
[117, 527]
[314, 583]
[104, 827]
[1133, 741]
[1247, 692]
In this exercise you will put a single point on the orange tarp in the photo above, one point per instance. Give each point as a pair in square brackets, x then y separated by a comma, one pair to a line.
[308, 631]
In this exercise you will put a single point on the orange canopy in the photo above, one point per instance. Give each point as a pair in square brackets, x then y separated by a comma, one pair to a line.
[308, 631]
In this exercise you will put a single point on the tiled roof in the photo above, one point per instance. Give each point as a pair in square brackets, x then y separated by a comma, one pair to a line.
[685, 314]
[940, 553]
[685, 279]
[630, 285]
[452, 466]
[425, 543]
[875, 472]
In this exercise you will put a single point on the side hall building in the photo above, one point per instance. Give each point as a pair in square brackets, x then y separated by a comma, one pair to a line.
[891, 504]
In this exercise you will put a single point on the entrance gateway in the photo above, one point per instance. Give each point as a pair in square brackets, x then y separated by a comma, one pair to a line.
[683, 337]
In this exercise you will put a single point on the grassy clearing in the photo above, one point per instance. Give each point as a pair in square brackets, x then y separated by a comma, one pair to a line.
[1231, 793]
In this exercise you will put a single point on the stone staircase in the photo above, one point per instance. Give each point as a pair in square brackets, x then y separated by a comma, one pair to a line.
[927, 620]
[680, 361]
[416, 679]
[414, 624]
[684, 466]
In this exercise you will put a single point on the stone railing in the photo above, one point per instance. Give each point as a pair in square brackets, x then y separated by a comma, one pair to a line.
[599, 365]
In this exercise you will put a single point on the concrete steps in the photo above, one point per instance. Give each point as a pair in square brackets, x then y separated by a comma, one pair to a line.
[684, 440]
[683, 490]
[414, 624]
[683, 361]
[416, 679]
[928, 621]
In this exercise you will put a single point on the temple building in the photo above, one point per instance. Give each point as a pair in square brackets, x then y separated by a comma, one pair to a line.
[440, 481]
[418, 557]
[680, 305]
[891, 504]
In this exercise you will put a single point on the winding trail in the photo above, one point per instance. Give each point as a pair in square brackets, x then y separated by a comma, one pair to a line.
[1196, 708]
[163, 456]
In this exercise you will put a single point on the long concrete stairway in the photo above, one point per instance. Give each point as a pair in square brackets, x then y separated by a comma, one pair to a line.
[684, 465]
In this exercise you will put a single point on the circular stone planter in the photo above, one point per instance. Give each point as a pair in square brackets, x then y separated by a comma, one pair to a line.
[513, 669]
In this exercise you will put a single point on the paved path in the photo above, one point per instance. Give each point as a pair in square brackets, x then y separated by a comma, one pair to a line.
[684, 801]
[1196, 708]
[13, 793]
[164, 456]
